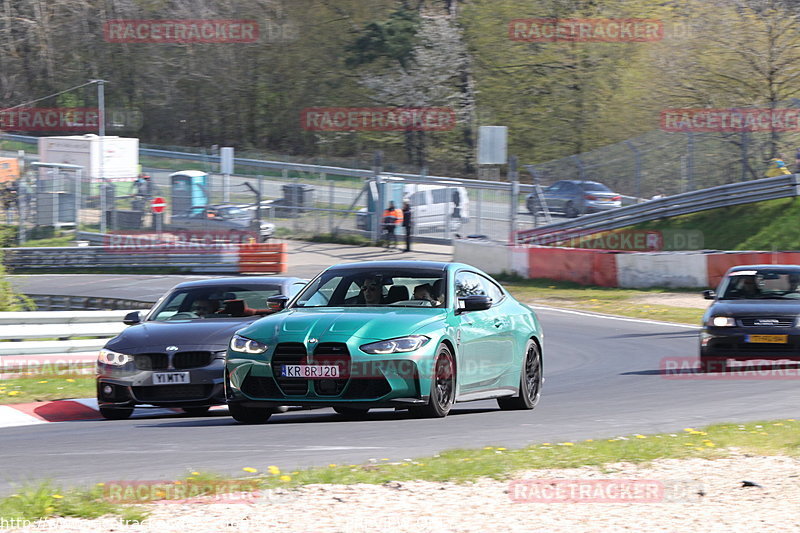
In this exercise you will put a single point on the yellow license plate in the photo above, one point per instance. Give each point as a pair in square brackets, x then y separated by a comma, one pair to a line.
[769, 339]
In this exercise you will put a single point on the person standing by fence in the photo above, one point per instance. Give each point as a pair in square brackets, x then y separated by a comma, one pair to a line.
[392, 217]
[407, 224]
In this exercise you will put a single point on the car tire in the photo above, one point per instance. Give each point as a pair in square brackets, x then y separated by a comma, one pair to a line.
[196, 411]
[443, 387]
[249, 415]
[570, 211]
[530, 382]
[352, 412]
[116, 413]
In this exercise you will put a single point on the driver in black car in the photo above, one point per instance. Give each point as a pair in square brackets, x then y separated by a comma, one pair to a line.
[749, 288]
[202, 307]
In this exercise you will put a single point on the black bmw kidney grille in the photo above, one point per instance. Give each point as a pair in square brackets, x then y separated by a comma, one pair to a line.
[332, 353]
[768, 321]
[289, 353]
[184, 360]
[151, 361]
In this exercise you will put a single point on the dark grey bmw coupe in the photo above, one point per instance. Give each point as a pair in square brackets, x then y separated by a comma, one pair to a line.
[174, 355]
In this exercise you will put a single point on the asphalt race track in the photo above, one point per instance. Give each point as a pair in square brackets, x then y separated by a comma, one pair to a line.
[602, 379]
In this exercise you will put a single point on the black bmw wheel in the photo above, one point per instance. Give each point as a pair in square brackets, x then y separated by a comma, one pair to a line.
[249, 415]
[443, 387]
[530, 386]
[113, 413]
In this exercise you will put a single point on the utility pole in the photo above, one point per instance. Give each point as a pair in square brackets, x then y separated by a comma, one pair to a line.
[101, 105]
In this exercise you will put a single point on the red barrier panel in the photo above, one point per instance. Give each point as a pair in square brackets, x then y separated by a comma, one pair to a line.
[719, 263]
[587, 267]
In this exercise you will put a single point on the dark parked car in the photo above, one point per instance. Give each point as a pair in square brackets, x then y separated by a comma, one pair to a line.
[174, 356]
[220, 218]
[574, 197]
[755, 315]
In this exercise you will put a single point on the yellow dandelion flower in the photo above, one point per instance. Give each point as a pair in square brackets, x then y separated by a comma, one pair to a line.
[101, 484]
[778, 424]
[567, 443]
[640, 437]
[43, 381]
[70, 380]
[699, 449]
[790, 420]
[710, 444]
[502, 449]
[13, 392]
[57, 496]
[690, 430]
[274, 470]
[285, 478]
[332, 465]
[589, 440]
[488, 448]
[545, 444]
[195, 473]
[250, 469]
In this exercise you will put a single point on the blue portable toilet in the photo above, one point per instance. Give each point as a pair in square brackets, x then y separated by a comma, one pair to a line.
[391, 189]
[189, 189]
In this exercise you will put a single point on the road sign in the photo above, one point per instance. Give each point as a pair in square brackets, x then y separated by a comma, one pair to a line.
[158, 205]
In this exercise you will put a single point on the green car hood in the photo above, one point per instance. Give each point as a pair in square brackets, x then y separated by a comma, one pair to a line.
[364, 323]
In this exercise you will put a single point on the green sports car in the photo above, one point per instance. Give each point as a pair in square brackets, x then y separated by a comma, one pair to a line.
[413, 335]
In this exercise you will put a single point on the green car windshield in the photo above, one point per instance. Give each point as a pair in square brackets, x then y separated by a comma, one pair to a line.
[375, 288]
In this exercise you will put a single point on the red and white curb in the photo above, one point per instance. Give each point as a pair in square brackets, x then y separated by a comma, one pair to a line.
[26, 414]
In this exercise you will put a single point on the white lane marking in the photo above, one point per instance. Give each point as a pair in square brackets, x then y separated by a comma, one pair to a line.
[91, 403]
[10, 417]
[613, 317]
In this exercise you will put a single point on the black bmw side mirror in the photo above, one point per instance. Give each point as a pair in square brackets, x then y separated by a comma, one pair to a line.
[709, 295]
[132, 318]
[474, 302]
[276, 303]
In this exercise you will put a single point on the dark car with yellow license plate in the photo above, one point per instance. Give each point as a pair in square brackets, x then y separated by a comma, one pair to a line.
[413, 335]
[755, 315]
[173, 356]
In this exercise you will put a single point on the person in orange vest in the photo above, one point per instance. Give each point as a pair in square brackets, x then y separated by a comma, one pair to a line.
[392, 217]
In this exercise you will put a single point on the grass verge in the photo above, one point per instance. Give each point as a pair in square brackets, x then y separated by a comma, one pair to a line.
[46, 387]
[777, 437]
[614, 301]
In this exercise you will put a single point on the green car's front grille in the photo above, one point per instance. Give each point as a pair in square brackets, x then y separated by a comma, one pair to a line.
[289, 353]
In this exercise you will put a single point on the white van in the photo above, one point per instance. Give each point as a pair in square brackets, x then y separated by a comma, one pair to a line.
[433, 206]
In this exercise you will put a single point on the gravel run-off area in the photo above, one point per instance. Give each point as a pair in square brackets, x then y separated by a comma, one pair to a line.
[687, 495]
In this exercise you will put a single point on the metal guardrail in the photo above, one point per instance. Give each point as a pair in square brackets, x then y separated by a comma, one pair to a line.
[680, 204]
[98, 257]
[312, 169]
[47, 302]
[25, 326]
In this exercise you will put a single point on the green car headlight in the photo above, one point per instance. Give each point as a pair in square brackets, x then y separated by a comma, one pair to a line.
[107, 357]
[398, 345]
[243, 344]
